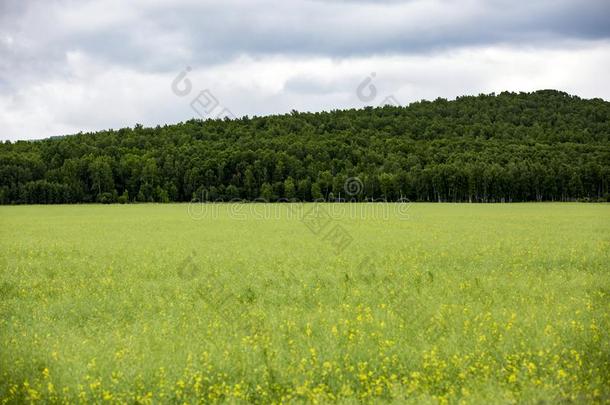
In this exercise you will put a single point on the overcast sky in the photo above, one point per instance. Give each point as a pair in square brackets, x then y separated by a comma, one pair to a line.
[70, 66]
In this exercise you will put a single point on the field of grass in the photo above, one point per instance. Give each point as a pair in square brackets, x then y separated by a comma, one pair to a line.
[430, 303]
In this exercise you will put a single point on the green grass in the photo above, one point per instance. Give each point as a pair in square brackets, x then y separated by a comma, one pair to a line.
[145, 303]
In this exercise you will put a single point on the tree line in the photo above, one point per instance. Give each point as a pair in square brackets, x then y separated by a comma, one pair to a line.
[510, 147]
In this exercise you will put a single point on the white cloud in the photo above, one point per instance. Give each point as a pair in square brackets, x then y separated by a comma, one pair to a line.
[94, 95]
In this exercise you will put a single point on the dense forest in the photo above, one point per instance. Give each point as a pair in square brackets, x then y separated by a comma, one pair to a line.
[541, 146]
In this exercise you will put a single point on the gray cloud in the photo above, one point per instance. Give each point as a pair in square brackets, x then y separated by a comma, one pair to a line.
[156, 34]
[88, 64]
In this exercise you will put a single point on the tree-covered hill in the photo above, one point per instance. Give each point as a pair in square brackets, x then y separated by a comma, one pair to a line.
[545, 145]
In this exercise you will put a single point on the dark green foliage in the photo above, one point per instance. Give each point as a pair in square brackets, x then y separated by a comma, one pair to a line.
[545, 145]
[124, 199]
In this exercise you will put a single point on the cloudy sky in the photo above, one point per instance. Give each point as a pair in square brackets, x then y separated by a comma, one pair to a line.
[68, 66]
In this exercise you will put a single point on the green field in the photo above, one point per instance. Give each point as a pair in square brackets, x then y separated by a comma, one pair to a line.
[430, 303]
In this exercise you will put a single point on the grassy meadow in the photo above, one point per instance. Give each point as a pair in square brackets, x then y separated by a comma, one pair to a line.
[426, 303]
